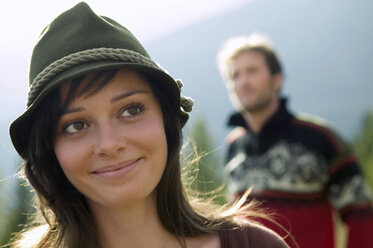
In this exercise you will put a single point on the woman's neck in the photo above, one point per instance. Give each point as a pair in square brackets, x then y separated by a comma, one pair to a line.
[136, 226]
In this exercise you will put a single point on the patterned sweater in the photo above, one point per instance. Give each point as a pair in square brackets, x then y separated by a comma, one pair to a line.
[304, 173]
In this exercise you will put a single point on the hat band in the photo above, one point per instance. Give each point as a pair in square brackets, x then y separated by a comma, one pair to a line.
[95, 54]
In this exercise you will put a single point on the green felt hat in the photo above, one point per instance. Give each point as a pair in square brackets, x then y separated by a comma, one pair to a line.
[76, 43]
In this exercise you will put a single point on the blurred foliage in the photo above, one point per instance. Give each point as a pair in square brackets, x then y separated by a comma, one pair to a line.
[2, 209]
[17, 216]
[204, 163]
[363, 146]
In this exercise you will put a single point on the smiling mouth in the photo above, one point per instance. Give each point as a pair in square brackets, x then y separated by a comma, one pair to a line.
[114, 171]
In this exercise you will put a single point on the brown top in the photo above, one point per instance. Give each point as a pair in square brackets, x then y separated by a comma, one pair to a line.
[251, 236]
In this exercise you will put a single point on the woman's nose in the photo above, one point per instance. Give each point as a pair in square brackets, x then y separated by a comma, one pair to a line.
[109, 140]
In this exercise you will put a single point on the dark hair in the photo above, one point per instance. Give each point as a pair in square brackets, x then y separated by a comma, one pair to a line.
[271, 58]
[65, 208]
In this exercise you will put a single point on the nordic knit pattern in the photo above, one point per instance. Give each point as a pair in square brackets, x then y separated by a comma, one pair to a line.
[303, 172]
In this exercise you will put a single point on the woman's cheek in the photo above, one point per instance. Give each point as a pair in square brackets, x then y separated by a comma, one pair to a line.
[70, 153]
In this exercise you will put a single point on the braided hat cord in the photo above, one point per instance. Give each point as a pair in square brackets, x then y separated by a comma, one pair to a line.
[96, 54]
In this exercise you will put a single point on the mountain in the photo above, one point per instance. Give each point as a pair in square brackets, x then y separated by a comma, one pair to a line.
[325, 47]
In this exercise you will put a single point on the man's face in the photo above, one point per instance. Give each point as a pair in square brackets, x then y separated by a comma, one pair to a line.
[254, 84]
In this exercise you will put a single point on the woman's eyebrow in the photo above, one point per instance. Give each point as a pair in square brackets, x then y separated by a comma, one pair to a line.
[127, 94]
[114, 99]
[72, 110]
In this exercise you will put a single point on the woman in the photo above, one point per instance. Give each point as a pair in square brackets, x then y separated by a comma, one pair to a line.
[101, 139]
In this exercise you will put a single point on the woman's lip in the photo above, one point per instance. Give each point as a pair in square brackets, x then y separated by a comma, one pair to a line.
[112, 169]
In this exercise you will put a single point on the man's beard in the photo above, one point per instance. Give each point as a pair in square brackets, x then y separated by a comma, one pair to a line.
[258, 106]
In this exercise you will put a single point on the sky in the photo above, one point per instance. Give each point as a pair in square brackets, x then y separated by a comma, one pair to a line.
[147, 18]
[22, 21]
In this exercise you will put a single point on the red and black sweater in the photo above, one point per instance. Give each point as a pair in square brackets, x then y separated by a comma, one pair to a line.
[304, 173]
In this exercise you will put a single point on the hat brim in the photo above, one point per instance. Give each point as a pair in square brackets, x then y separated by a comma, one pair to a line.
[20, 128]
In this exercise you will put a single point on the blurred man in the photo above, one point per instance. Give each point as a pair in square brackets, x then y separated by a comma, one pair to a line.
[298, 168]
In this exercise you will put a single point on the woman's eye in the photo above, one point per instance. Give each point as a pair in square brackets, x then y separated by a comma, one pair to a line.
[75, 127]
[132, 110]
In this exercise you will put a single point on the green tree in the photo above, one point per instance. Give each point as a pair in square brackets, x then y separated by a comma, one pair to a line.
[2, 208]
[16, 217]
[204, 163]
[363, 146]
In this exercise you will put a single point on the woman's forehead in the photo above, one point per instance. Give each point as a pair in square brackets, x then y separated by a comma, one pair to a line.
[92, 83]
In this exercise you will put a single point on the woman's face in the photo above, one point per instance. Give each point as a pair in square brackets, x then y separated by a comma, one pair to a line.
[112, 145]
